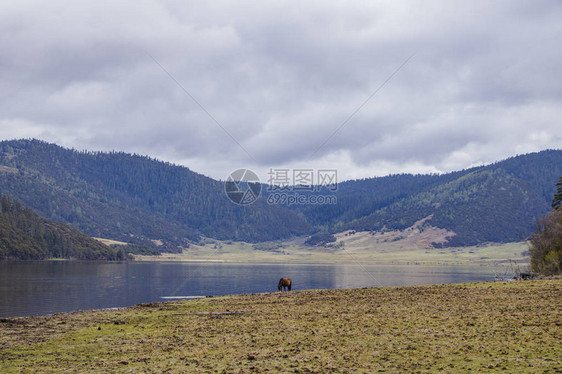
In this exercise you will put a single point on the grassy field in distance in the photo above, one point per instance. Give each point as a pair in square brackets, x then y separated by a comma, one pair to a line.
[110, 241]
[353, 250]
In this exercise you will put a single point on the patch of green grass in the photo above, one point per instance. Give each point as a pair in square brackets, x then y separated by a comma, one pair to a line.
[491, 327]
[396, 252]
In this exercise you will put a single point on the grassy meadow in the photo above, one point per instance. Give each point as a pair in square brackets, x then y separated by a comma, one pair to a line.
[503, 327]
[359, 247]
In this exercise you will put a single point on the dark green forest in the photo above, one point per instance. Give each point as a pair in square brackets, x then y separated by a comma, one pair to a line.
[138, 199]
[134, 198]
[498, 203]
[26, 236]
[484, 205]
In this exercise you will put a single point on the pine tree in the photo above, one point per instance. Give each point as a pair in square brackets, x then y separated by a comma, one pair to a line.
[557, 201]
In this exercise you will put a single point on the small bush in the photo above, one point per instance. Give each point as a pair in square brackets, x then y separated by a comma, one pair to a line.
[320, 239]
[138, 249]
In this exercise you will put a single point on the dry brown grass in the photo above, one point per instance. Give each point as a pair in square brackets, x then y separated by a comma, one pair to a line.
[110, 241]
[492, 327]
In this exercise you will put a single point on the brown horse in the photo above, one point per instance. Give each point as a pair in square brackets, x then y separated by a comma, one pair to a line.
[284, 283]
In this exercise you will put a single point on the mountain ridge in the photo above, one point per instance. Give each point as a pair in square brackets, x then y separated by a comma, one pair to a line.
[139, 199]
[134, 198]
[499, 202]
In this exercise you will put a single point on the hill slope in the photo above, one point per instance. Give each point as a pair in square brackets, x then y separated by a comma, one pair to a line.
[26, 236]
[494, 203]
[140, 200]
[134, 198]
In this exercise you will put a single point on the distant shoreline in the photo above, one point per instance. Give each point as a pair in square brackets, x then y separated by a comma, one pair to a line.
[291, 252]
[391, 254]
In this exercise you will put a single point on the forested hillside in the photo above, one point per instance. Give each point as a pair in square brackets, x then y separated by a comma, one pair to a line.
[500, 202]
[26, 236]
[134, 198]
[140, 200]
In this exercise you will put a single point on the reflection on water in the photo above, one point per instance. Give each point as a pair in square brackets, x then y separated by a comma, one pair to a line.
[355, 276]
[37, 288]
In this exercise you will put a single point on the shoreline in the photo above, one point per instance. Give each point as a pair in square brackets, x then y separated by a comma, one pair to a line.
[166, 299]
[506, 326]
[493, 254]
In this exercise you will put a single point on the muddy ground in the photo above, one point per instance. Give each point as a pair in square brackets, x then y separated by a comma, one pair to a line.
[492, 327]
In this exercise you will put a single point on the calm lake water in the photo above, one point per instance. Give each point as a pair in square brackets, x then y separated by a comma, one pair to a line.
[40, 288]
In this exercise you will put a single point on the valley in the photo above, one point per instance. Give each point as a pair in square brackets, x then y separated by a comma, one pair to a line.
[160, 208]
[361, 247]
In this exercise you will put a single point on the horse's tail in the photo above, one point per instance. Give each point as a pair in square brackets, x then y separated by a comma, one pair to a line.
[290, 284]
[280, 284]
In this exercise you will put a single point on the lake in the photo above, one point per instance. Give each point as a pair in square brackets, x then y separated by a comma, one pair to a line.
[41, 288]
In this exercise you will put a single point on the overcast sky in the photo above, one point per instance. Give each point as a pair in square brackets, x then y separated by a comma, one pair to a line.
[483, 82]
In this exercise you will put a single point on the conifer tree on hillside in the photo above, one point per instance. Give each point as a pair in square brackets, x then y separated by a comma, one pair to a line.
[26, 236]
[557, 201]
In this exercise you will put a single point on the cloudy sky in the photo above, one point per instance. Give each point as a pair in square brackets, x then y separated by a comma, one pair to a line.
[467, 82]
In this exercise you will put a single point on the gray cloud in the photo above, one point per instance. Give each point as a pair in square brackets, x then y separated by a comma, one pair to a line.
[281, 77]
